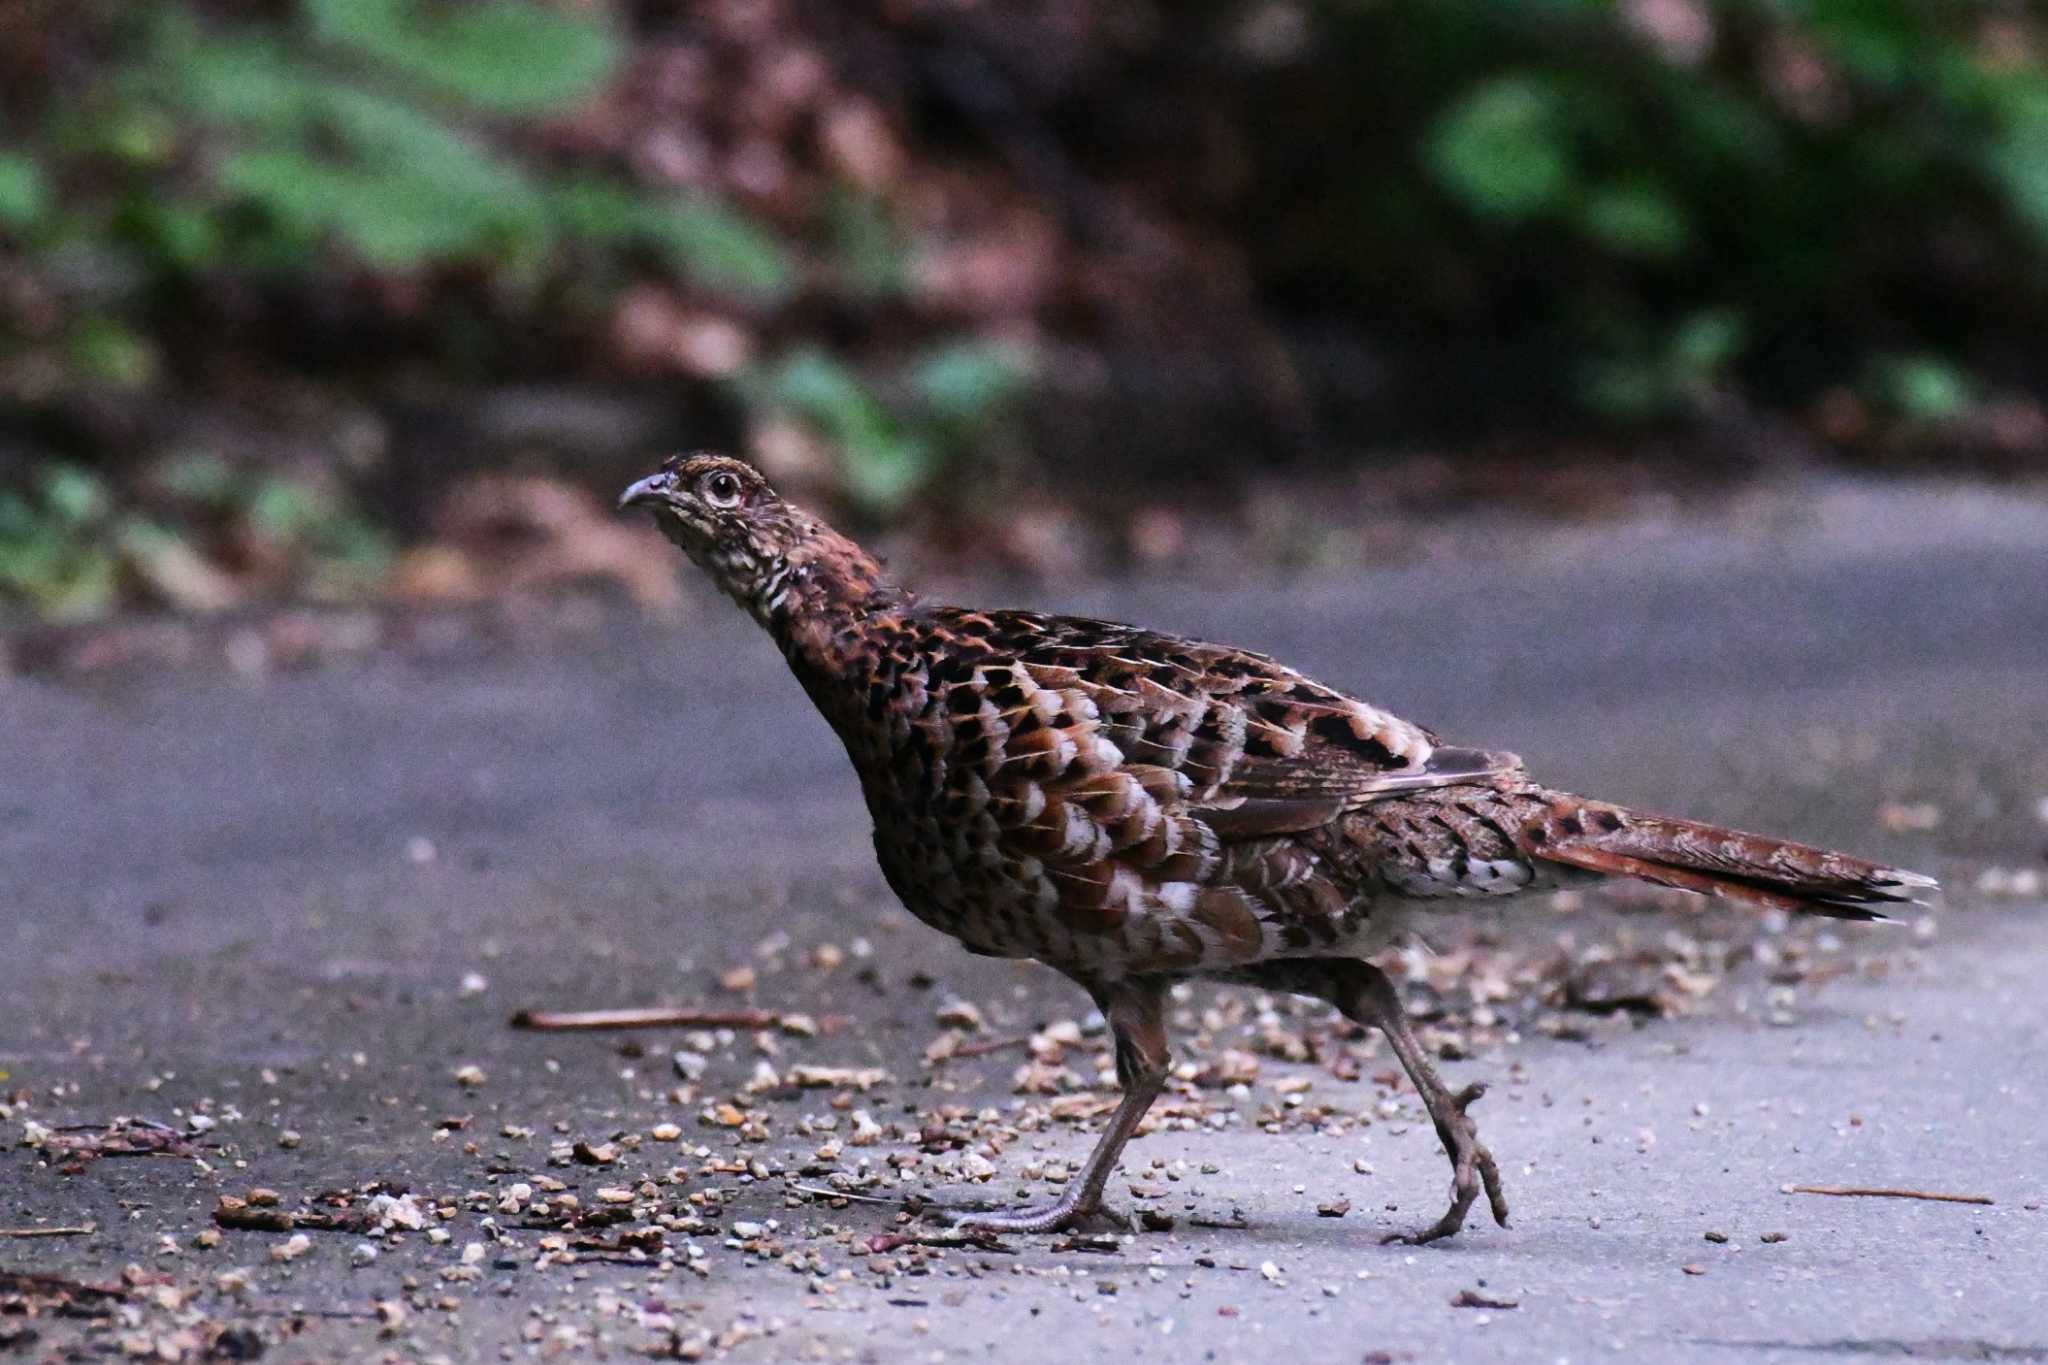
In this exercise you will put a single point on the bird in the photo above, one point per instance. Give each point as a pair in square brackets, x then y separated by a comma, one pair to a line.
[1134, 809]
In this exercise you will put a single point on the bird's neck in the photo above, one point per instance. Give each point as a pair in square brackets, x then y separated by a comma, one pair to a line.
[825, 610]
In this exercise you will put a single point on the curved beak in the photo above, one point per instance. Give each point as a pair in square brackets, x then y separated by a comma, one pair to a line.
[652, 489]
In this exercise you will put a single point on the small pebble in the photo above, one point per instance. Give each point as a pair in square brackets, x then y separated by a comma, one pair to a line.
[960, 1014]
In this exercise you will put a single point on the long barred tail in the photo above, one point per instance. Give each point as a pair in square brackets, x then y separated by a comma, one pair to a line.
[1561, 828]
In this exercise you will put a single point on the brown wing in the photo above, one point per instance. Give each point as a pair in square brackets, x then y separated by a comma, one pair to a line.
[1128, 765]
[1264, 749]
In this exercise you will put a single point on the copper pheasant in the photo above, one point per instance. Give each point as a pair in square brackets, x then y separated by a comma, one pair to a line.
[1132, 808]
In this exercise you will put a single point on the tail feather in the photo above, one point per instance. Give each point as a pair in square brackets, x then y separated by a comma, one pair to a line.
[1716, 862]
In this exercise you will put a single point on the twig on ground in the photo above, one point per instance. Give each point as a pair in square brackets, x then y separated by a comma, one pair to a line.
[82, 1230]
[983, 1047]
[980, 1241]
[559, 1021]
[77, 1145]
[1234, 1223]
[56, 1286]
[1868, 1192]
[822, 1192]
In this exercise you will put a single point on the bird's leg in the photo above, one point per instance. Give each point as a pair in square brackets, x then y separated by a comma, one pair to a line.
[1136, 1014]
[1364, 994]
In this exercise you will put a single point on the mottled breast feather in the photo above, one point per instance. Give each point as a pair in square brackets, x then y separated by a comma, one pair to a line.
[1113, 800]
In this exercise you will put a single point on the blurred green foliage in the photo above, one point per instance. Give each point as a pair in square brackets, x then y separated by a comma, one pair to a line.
[892, 451]
[354, 139]
[1762, 197]
[1676, 196]
[70, 550]
[1613, 210]
[53, 552]
[369, 125]
[24, 197]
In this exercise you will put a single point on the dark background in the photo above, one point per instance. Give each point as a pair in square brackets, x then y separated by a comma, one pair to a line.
[332, 298]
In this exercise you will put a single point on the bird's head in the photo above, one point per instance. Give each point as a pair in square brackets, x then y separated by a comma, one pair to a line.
[759, 549]
[726, 519]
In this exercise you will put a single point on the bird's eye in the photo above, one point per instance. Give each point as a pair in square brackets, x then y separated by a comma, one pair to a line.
[722, 489]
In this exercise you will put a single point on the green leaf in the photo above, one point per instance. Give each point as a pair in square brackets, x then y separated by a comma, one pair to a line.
[354, 543]
[590, 209]
[2018, 157]
[1707, 343]
[73, 496]
[883, 465]
[246, 82]
[816, 386]
[1502, 148]
[884, 472]
[24, 197]
[112, 353]
[1637, 219]
[1883, 42]
[403, 190]
[203, 478]
[284, 510]
[702, 240]
[871, 254]
[1925, 387]
[327, 156]
[715, 245]
[17, 518]
[506, 56]
[967, 381]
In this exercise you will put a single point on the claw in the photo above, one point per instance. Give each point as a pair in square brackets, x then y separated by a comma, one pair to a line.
[1060, 1217]
[1496, 1199]
[1053, 1218]
[1472, 1168]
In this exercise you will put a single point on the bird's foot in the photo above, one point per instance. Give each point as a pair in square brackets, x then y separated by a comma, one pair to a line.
[1072, 1213]
[1471, 1167]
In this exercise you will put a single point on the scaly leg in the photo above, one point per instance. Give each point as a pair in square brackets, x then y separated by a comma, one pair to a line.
[1363, 994]
[1136, 1014]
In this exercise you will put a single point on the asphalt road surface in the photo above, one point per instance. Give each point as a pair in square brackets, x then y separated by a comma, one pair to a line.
[288, 918]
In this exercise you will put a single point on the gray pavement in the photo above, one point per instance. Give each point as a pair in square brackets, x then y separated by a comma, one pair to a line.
[258, 901]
